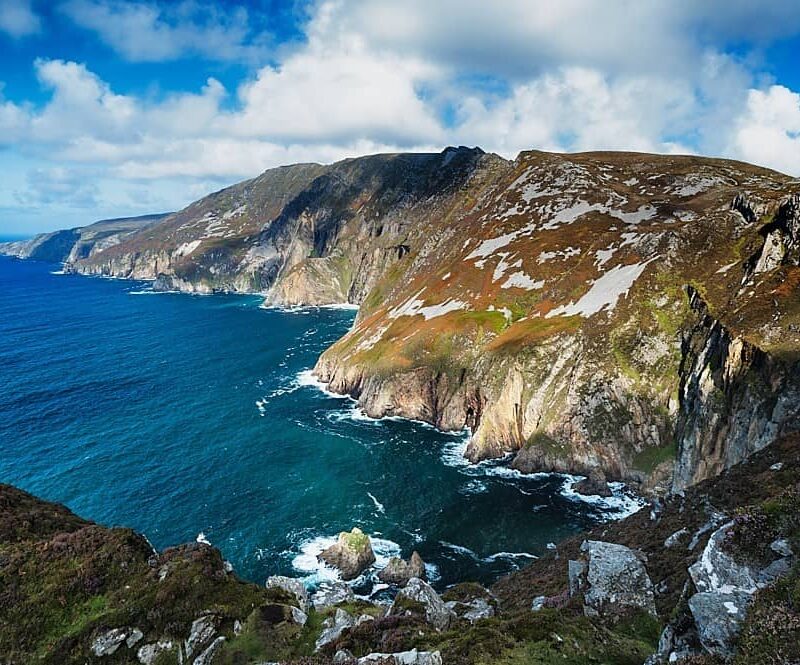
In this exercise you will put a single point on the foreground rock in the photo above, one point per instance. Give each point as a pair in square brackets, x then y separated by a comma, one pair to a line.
[331, 594]
[333, 627]
[352, 553]
[399, 572]
[412, 657]
[292, 586]
[419, 597]
[613, 580]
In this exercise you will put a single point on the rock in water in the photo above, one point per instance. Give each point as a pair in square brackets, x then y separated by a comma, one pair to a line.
[420, 595]
[399, 572]
[593, 485]
[616, 580]
[351, 554]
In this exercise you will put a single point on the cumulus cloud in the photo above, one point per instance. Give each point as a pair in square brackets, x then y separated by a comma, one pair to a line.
[58, 185]
[150, 32]
[17, 18]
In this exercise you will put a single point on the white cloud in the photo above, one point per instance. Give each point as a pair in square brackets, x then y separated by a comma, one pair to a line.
[18, 19]
[58, 185]
[768, 131]
[150, 32]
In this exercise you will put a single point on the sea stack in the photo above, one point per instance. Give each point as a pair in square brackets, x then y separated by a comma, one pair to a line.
[351, 554]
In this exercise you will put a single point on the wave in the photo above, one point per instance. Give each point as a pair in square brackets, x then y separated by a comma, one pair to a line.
[306, 309]
[316, 571]
[622, 503]
[465, 551]
[378, 505]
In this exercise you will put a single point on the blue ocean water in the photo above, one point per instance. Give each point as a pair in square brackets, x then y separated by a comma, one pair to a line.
[178, 415]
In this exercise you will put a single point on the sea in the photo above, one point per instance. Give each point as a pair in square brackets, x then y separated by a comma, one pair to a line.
[197, 417]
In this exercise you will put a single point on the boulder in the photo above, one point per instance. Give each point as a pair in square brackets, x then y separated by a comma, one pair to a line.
[418, 592]
[201, 634]
[134, 637]
[719, 617]
[207, 657]
[412, 657]
[293, 586]
[342, 656]
[351, 553]
[333, 627]
[594, 484]
[107, 643]
[399, 572]
[329, 595]
[299, 617]
[576, 573]
[616, 580]
[148, 653]
[716, 570]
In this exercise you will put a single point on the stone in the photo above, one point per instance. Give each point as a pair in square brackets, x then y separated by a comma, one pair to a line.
[299, 617]
[436, 612]
[538, 603]
[477, 609]
[719, 617]
[351, 554]
[576, 572]
[207, 657]
[616, 580]
[342, 656]
[134, 638]
[293, 586]
[675, 539]
[593, 485]
[781, 547]
[107, 643]
[716, 570]
[333, 627]
[148, 653]
[399, 572]
[201, 633]
[776, 467]
[412, 657]
[329, 595]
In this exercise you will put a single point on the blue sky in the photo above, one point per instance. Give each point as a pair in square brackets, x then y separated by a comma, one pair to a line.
[121, 107]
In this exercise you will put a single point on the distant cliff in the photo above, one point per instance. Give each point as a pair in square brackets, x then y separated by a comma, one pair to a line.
[603, 311]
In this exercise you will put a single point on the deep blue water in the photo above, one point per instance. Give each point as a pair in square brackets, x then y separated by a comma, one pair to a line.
[177, 414]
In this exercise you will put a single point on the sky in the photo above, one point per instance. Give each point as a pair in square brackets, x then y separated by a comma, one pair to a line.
[122, 107]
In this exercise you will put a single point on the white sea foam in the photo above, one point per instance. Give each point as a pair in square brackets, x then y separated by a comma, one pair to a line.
[316, 571]
[465, 551]
[378, 505]
[201, 538]
[306, 378]
[621, 503]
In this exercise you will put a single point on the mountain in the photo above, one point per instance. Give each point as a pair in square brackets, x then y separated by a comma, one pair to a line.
[629, 315]
[78, 243]
[702, 578]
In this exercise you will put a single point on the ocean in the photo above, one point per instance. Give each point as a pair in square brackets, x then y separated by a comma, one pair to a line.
[189, 417]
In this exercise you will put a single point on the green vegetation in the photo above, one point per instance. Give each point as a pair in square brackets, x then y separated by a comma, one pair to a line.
[648, 459]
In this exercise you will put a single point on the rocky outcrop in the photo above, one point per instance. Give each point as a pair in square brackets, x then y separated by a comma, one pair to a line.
[351, 554]
[292, 586]
[399, 572]
[412, 657]
[419, 596]
[332, 594]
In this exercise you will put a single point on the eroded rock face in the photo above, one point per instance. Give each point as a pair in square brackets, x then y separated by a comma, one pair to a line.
[351, 554]
[107, 643]
[421, 593]
[330, 594]
[333, 627]
[412, 657]
[615, 581]
[202, 632]
[719, 617]
[148, 653]
[399, 572]
[293, 586]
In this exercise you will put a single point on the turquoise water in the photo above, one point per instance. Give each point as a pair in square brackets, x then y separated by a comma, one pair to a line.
[182, 415]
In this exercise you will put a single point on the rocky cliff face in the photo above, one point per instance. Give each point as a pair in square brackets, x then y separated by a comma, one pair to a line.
[74, 244]
[607, 311]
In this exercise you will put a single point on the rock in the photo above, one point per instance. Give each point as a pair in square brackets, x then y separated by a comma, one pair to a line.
[201, 633]
[399, 572]
[364, 618]
[107, 643]
[351, 554]
[478, 609]
[342, 656]
[237, 627]
[417, 591]
[776, 467]
[293, 586]
[538, 603]
[412, 657]
[716, 570]
[616, 580]
[675, 538]
[148, 653]
[333, 627]
[207, 657]
[576, 570]
[593, 485]
[329, 595]
[299, 617]
[134, 638]
[781, 547]
[719, 617]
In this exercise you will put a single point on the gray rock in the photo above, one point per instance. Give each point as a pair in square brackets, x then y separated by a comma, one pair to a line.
[293, 586]
[237, 627]
[781, 547]
[201, 634]
[329, 595]
[107, 643]
[333, 627]
[675, 539]
[774, 571]
[594, 484]
[207, 657]
[776, 467]
[616, 579]
[538, 603]
[364, 618]
[351, 553]
[299, 617]
[399, 572]
[134, 638]
[436, 612]
[576, 570]
[719, 617]
[478, 608]
[342, 656]
[716, 570]
[148, 653]
[412, 657]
